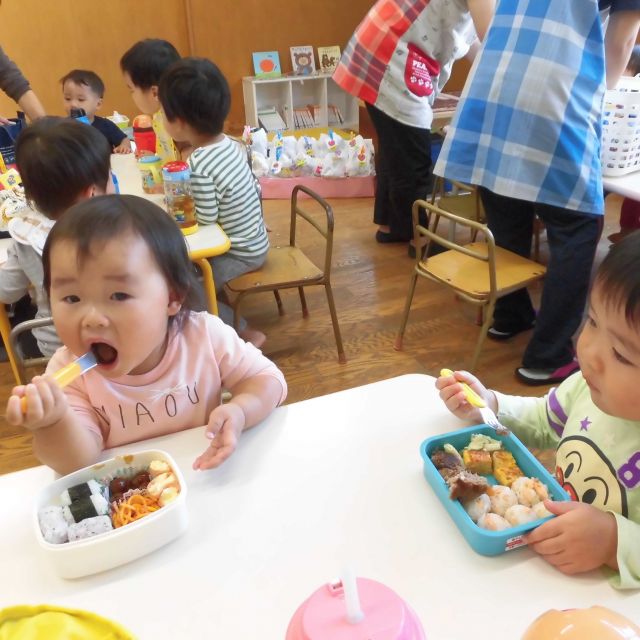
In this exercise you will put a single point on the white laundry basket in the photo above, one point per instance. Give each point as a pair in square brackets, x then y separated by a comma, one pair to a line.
[621, 128]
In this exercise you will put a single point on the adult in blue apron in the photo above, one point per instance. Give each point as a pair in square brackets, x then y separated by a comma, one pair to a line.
[527, 132]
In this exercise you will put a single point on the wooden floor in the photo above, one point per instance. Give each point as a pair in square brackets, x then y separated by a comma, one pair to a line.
[370, 284]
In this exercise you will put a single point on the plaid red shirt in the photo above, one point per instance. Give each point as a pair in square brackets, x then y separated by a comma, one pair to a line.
[365, 59]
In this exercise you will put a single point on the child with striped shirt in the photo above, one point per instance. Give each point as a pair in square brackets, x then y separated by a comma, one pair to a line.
[195, 101]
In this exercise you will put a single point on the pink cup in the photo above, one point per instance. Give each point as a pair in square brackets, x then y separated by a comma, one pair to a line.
[323, 615]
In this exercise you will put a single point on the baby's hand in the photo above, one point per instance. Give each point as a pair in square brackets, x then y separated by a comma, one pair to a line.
[580, 539]
[123, 147]
[452, 395]
[45, 400]
[226, 423]
[143, 152]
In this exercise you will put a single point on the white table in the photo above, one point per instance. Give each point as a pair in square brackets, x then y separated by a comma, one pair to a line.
[627, 186]
[332, 478]
[208, 241]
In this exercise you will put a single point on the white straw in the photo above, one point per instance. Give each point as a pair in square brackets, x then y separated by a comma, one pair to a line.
[351, 598]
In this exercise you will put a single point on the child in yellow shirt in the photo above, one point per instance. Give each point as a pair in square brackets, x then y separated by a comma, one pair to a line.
[142, 67]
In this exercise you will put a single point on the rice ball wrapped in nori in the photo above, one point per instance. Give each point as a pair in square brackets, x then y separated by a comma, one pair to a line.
[78, 491]
[501, 498]
[519, 514]
[493, 522]
[529, 491]
[89, 527]
[89, 507]
[477, 507]
[53, 525]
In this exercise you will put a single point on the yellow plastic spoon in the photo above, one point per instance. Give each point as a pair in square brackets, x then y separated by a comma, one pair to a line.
[472, 397]
[475, 400]
[69, 373]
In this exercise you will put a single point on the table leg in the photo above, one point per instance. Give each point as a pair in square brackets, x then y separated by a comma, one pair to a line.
[209, 285]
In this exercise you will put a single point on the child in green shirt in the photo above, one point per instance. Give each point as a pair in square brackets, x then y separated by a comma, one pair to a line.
[593, 421]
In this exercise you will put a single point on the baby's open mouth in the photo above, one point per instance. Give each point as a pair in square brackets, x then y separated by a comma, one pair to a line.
[104, 353]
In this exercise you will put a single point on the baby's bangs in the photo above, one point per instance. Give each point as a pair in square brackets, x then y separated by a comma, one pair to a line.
[620, 292]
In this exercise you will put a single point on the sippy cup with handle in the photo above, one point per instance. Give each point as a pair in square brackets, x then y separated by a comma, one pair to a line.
[151, 173]
[355, 609]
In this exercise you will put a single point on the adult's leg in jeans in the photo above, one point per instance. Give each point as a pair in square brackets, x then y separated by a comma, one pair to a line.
[407, 162]
[381, 205]
[511, 222]
[573, 238]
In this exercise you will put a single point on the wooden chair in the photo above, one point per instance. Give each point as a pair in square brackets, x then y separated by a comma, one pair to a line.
[479, 272]
[288, 267]
[5, 332]
[464, 202]
[19, 362]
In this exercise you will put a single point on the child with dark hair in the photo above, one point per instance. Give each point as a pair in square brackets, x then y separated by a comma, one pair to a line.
[121, 284]
[195, 100]
[593, 421]
[142, 67]
[61, 162]
[83, 89]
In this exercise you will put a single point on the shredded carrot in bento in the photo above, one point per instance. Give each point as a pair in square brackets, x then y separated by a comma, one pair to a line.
[133, 508]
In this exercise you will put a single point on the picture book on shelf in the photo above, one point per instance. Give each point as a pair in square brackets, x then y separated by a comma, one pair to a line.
[302, 61]
[270, 119]
[328, 58]
[266, 64]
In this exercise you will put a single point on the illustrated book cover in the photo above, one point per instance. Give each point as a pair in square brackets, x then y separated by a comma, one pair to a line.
[302, 61]
[328, 58]
[266, 64]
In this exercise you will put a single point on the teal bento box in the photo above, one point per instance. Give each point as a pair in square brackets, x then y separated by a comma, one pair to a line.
[483, 541]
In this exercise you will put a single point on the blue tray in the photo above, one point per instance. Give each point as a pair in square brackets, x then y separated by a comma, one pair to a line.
[487, 543]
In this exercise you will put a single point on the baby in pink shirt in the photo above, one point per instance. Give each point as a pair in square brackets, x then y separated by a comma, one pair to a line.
[121, 285]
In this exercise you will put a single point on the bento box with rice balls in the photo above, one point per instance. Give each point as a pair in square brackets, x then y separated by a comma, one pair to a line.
[111, 512]
[492, 486]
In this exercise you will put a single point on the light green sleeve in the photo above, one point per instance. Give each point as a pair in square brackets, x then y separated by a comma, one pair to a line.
[539, 422]
[628, 576]
[527, 418]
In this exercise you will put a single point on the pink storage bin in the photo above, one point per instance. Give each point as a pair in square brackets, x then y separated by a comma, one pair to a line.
[356, 187]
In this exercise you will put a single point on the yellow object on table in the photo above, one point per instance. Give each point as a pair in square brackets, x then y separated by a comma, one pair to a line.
[48, 622]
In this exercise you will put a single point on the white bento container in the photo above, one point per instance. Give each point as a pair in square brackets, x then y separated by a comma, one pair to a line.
[119, 546]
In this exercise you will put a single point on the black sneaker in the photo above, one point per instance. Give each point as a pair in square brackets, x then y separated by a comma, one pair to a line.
[535, 377]
[496, 334]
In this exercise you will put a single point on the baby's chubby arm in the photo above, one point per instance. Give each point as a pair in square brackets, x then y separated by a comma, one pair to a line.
[59, 439]
[579, 539]
[123, 147]
[253, 400]
[452, 394]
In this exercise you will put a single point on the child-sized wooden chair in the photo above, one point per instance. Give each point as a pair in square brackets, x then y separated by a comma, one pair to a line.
[288, 267]
[478, 272]
[463, 202]
[19, 362]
